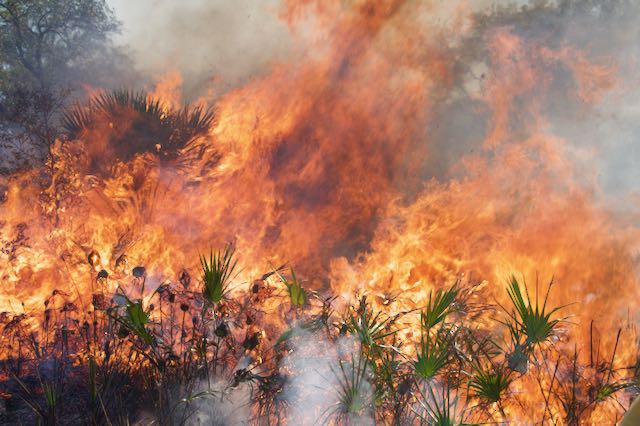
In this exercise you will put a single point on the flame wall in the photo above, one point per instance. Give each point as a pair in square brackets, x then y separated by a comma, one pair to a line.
[393, 153]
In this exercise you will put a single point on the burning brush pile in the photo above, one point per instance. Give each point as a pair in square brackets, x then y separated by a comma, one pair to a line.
[390, 227]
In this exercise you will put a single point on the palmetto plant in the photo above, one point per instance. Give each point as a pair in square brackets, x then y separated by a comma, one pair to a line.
[439, 408]
[438, 307]
[368, 326]
[528, 318]
[217, 273]
[490, 384]
[354, 396]
[432, 355]
[134, 122]
[297, 294]
[135, 320]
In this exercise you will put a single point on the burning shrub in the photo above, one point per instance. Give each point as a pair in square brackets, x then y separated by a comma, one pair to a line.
[123, 123]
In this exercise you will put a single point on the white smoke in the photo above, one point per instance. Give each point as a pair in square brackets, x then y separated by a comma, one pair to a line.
[211, 42]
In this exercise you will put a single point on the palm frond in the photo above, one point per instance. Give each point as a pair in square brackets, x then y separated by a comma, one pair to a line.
[354, 397]
[439, 408]
[369, 327]
[432, 356]
[438, 307]
[216, 273]
[531, 319]
[152, 124]
[490, 384]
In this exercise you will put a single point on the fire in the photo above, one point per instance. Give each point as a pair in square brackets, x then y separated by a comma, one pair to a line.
[331, 162]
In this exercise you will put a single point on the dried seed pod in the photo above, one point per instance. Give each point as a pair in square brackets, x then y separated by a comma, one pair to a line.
[222, 330]
[250, 342]
[405, 386]
[343, 329]
[123, 332]
[139, 271]
[184, 307]
[69, 307]
[47, 317]
[103, 275]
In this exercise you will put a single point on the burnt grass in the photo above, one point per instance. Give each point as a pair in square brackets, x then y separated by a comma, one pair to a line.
[181, 354]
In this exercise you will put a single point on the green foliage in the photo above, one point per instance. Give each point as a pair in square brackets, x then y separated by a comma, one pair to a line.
[438, 307]
[173, 361]
[432, 355]
[387, 371]
[439, 409]
[47, 49]
[297, 293]
[607, 390]
[50, 397]
[217, 273]
[490, 384]
[135, 320]
[40, 39]
[369, 327]
[530, 319]
[354, 396]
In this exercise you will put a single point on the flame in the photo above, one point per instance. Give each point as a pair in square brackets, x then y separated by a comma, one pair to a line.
[324, 163]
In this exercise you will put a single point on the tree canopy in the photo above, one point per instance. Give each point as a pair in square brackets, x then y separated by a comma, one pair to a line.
[47, 47]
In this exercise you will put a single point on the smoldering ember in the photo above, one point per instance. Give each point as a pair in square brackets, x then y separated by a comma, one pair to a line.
[303, 212]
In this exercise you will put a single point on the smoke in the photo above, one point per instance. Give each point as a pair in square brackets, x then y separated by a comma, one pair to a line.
[214, 404]
[218, 46]
[213, 44]
[324, 372]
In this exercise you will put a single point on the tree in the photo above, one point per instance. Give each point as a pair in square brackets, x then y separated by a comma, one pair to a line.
[46, 46]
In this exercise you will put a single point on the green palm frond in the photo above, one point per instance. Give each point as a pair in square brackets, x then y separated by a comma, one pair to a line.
[438, 307]
[354, 393]
[297, 294]
[439, 408]
[490, 384]
[135, 319]
[216, 273]
[432, 356]
[530, 319]
[369, 327]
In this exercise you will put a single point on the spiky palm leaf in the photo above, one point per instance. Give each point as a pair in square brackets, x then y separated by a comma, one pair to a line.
[432, 355]
[439, 409]
[370, 327]
[353, 390]
[150, 126]
[438, 307]
[490, 384]
[216, 273]
[297, 293]
[529, 318]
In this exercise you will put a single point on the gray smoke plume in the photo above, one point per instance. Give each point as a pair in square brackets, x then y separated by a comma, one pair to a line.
[205, 40]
